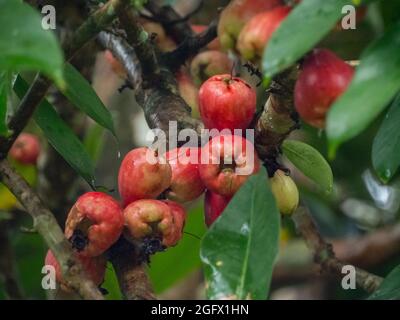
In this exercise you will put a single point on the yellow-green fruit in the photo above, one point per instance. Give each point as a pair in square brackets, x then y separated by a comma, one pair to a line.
[285, 191]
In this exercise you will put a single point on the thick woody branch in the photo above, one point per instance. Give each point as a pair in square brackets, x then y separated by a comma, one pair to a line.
[190, 47]
[131, 271]
[278, 119]
[158, 95]
[46, 224]
[323, 252]
[89, 29]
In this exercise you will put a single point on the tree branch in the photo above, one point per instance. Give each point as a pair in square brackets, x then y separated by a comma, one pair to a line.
[189, 47]
[131, 271]
[323, 252]
[168, 17]
[46, 224]
[89, 29]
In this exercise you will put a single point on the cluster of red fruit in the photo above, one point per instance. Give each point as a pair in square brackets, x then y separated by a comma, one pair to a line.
[246, 26]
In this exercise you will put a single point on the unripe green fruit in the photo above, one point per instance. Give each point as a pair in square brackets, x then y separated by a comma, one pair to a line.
[285, 191]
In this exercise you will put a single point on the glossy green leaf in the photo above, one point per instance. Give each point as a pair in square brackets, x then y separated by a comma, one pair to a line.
[60, 136]
[3, 103]
[25, 45]
[375, 83]
[390, 287]
[82, 95]
[310, 162]
[167, 268]
[240, 248]
[305, 26]
[386, 146]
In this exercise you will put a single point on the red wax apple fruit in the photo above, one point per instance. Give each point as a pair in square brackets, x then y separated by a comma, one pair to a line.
[143, 174]
[95, 268]
[189, 92]
[149, 218]
[236, 14]
[116, 66]
[226, 163]
[26, 148]
[186, 184]
[226, 102]
[257, 32]
[214, 205]
[324, 77]
[209, 63]
[94, 223]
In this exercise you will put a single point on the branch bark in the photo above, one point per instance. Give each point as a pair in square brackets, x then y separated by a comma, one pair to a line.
[46, 224]
[323, 252]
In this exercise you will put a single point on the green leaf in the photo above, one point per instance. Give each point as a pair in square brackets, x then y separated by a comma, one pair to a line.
[386, 146]
[240, 248]
[375, 83]
[182, 259]
[59, 135]
[25, 45]
[305, 26]
[94, 141]
[3, 103]
[310, 162]
[390, 287]
[81, 94]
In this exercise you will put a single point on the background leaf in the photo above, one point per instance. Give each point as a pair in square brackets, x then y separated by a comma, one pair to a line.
[59, 135]
[390, 287]
[386, 146]
[240, 248]
[310, 162]
[168, 267]
[3, 103]
[81, 94]
[375, 83]
[24, 44]
[311, 20]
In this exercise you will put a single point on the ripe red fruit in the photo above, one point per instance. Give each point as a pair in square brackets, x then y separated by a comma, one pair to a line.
[214, 205]
[226, 102]
[209, 63]
[199, 28]
[94, 223]
[116, 66]
[189, 92]
[257, 32]
[324, 77]
[26, 149]
[179, 215]
[236, 14]
[227, 162]
[150, 218]
[95, 268]
[186, 184]
[143, 174]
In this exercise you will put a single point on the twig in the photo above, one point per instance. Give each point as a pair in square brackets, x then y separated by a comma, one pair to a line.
[45, 223]
[189, 47]
[89, 29]
[198, 7]
[166, 14]
[323, 252]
